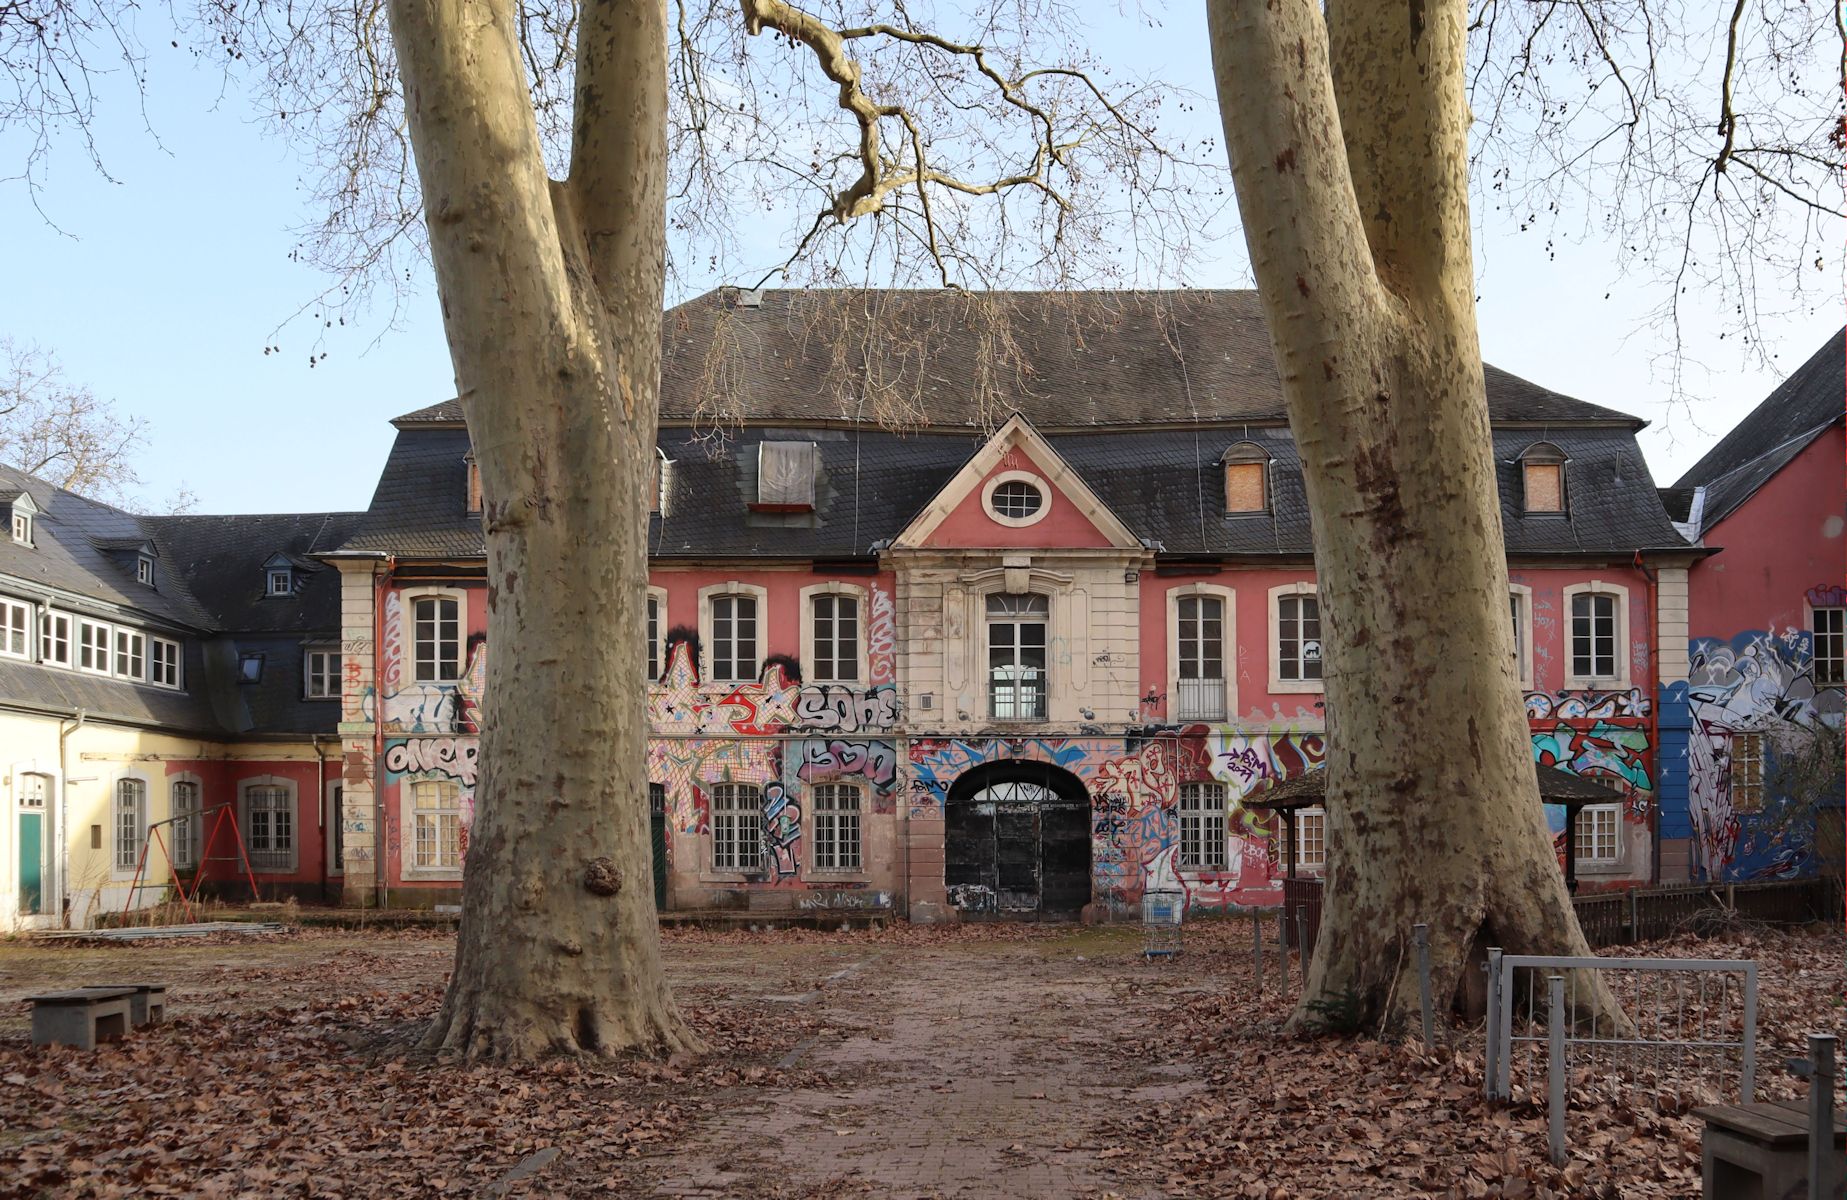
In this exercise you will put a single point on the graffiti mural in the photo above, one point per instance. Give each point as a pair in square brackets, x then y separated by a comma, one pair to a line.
[881, 637]
[782, 831]
[1758, 683]
[453, 759]
[680, 704]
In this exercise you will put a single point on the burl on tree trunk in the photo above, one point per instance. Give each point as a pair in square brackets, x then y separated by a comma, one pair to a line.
[1348, 140]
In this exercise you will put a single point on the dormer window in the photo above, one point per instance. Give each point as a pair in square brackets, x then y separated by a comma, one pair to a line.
[20, 510]
[786, 476]
[281, 582]
[1542, 475]
[144, 570]
[1247, 478]
[22, 528]
[474, 482]
[658, 496]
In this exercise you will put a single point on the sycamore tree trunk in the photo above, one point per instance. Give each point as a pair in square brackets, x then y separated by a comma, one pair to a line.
[551, 296]
[1348, 145]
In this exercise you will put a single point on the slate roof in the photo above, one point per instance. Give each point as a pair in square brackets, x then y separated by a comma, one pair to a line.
[1777, 430]
[1089, 360]
[222, 557]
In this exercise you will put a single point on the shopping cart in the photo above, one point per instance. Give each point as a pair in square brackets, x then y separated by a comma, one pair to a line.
[1162, 912]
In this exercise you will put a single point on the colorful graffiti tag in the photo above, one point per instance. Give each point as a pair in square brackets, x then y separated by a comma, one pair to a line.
[680, 704]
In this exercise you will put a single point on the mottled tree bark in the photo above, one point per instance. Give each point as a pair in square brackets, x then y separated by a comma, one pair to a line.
[551, 296]
[1348, 144]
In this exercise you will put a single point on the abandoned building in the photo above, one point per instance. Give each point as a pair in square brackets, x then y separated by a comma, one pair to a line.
[1004, 617]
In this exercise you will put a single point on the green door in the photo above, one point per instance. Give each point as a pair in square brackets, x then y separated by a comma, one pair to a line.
[31, 864]
[657, 827]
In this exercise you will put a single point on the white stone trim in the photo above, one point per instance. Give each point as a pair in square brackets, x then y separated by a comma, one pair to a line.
[120, 873]
[732, 587]
[1039, 484]
[659, 654]
[407, 633]
[1672, 663]
[295, 825]
[1523, 653]
[1230, 643]
[1279, 685]
[835, 587]
[1597, 587]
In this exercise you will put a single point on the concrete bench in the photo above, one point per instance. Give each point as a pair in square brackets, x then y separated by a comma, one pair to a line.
[1758, 1151]
[81, 1017]
[148, 1005]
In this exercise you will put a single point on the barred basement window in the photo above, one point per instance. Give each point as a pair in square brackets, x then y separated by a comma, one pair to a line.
[1747, 772]
[269, 826]
[436, 815]
[130, 822]
[737, 827]
[1202, 826]
[1597, 834]
[836, 827]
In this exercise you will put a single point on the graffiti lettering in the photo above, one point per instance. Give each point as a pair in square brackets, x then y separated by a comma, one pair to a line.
[824, 760]
[1578, 706]
[782, 830]
[447, 756]
[834, 708]
[391, 657]
[881, 636]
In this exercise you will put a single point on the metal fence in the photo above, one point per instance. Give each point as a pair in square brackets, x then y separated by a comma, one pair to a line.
[1688, 1026]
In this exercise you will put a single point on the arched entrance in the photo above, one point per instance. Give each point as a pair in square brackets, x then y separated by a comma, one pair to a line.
[1017, 841]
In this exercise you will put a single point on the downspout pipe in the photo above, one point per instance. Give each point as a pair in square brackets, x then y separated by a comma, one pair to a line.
[1652, 722]
[320, 803]
[381, 581]
[64, 817]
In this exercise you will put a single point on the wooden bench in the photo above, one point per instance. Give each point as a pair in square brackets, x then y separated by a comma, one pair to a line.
[81, 1017]
[148, 1005]
[1759, 1151]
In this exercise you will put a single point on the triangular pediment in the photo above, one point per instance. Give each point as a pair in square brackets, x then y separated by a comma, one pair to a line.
[1016, 492]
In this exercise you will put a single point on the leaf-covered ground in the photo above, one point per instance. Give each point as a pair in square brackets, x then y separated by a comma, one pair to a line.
[991, 1061]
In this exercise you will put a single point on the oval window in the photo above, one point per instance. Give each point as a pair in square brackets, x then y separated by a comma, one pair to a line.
[1016, 500]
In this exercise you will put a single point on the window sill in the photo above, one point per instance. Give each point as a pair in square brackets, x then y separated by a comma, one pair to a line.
[738, 877]
[432, 875]
[1576, 683]
[1298, 687]
[822, 875]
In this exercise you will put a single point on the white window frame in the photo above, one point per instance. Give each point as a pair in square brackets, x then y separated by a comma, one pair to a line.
[708, 647]
[1597, 587]
[285, 576]
[330, 672]
[1318, 815]
[185, 836]
[247, 827]
[737, 827]
[837, 834]
[131, 654]
[1279, 685]
[117, 851]
[1228, 634]
[84, 625]
[1520, 614]
[144, 570]
[16, 620]
[165, 662]
[1840, 675]
[654, 611]
[810, 648]
[1203, 842]
[1755, 782]
[986, 664]
[443, 789]
[1040, 484]
[50, 640]
[22, 528]
[1584, 836]
[408, 600]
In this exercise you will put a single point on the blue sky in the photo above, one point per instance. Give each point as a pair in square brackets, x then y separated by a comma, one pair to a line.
[161, 289]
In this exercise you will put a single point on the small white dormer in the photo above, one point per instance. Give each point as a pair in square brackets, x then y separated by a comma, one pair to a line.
[21, 513]
[144, 569]
[279, 576]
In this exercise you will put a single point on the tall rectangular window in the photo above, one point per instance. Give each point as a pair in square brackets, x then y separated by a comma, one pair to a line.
[1202, 826]
[836, 827]
[322, 675]
[836, 640]
[130, 822]
[436, 815]
[164, 662]
[1311, 837]
[187, 824]
[269, 827]
[1830, 650]
[1593, 635]
[737, 827]
[437, 638]
[54, 638]
[734, 638]
[93, 647]
[1598, 833]
[15, 629]
[130, 654]
[1298, 637]
[1513, 602]
[1016, 655]
[1747, 772]
[654, 638]
[1201, 639]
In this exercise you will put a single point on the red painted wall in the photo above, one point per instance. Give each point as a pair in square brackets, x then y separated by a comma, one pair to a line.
[783, 627]
[1064, 526]
[1783, 541]
[218, 787]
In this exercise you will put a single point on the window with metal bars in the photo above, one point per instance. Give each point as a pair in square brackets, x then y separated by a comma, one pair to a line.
[1593, 635]
[836, 827]
[1298, 637]
[836, 639]
[737, 827]
[436, 638]
[130, 822]
[734, 638]
[1202, 826]
[187, 831]
[269, 826]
